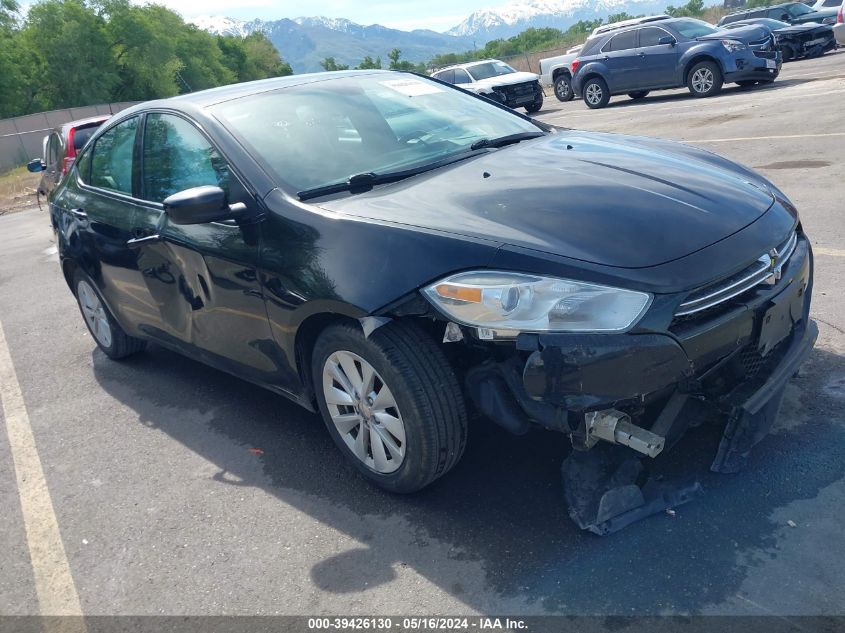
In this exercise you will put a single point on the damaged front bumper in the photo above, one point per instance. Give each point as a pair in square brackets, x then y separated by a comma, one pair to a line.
[638, 388]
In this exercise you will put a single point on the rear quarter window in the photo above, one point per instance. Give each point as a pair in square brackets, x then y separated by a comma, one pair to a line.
[82, 134]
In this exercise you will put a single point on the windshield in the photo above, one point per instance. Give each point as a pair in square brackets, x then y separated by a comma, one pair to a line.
[489, 69]
[798, 9]
[320, 133]
[693, 28]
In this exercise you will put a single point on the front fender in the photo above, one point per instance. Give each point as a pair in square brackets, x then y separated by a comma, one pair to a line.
[711, 50]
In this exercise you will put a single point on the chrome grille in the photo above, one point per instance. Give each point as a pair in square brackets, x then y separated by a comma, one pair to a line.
[766, 269]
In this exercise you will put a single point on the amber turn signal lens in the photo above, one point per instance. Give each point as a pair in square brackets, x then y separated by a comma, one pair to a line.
[460, 293]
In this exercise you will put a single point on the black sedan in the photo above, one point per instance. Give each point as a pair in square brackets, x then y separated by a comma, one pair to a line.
[392, 252]
[795, 41]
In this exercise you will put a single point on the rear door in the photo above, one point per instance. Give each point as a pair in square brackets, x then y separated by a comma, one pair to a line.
[657, 63]
[202, 278]
[620, 57]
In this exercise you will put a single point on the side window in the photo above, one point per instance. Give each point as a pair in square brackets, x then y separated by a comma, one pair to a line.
[650, 36]
[462, 77]
[111, 161]
[447, 75]
[177, 157]
[622, 41]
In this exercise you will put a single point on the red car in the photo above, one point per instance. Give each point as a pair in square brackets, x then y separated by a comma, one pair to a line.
[60, 149]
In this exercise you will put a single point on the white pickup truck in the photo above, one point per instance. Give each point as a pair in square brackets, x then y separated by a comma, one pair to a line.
[557, 72]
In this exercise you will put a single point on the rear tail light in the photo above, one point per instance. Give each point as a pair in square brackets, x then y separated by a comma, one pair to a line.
[839, 18]
[70, 156]
[575, 64]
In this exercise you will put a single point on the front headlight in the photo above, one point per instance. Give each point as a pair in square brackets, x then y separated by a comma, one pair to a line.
[509, 303]
[732, 46]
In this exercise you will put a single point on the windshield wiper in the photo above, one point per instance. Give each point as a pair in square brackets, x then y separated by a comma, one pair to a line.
[359, 183]
[510, 139]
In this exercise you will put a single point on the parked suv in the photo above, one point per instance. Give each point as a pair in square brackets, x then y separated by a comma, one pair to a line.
[839, 27]
[790, 12]
[60, 148]
[498, 81]
[674, 53]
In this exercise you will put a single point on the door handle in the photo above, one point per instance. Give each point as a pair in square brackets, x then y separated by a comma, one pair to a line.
[79, 214]
[641, 54]
[137, 242]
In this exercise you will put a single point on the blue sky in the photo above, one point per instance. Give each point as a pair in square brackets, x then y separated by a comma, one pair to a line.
[431, 14]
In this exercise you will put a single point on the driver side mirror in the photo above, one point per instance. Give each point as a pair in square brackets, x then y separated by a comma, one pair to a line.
[666, 39]
[35, 165]
[200, 205]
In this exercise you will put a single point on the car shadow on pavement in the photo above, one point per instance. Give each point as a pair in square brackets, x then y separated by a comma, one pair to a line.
[497, 525]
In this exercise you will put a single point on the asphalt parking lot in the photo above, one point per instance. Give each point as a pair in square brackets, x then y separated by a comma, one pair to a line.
[176, 489]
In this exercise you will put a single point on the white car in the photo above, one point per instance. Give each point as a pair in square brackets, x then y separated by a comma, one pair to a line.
[496, 80]
[557, 72]
[839, 27]
[818, 5]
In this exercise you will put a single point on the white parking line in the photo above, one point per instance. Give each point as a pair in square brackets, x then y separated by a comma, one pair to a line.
[763, 138]
[53, 581]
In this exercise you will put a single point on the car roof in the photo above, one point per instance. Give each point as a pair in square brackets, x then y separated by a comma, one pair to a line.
[91, 120]
[212, 96]
[470, 64]
[614, 26]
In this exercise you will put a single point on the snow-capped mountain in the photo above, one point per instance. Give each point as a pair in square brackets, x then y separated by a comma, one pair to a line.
[304, 42]
[514, 17]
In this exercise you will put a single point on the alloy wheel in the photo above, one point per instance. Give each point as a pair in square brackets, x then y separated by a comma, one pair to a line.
[702, 80]
[94, 313]
[593, 94]
[364, 411]
[562, 90]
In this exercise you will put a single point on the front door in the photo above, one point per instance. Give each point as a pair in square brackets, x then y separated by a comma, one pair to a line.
[657, 63]
[203, 278]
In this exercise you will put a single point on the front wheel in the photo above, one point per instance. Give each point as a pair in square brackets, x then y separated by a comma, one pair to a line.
[596, 93]
[107, 333]
[705, 79]
[563, 88]
[639, 94]
[537, 105]
[391, 403]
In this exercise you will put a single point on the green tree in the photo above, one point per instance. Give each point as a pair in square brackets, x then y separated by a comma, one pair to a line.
[402, 64]
[67, 56]
[692, 9]
[252, 57]
[330, 64]
[368, 63]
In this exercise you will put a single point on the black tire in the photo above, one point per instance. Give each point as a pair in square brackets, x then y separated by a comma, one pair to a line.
[426, 392]
[563, 88]
[596, 93]
[787, 53]
[537, 105]
[120, 344]
[639, 94]
[705, 79]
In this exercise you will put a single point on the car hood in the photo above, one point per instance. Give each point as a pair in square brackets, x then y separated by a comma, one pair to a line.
[745, 34]
[602, 198]
[506, 80]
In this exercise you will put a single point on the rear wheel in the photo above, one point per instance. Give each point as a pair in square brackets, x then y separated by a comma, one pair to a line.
[705, 79]
[563, 88]
[639, 94]
[108, 335]
[391, 403]
[596, 94]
